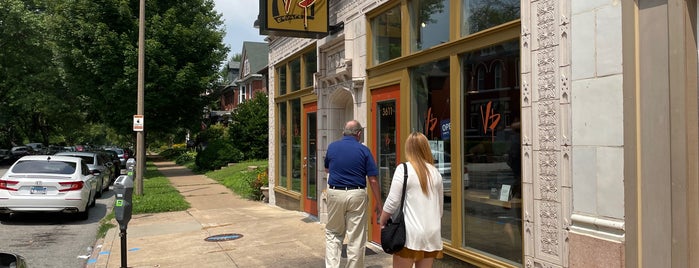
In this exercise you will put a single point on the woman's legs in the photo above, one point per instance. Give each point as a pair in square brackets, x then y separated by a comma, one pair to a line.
[400, 262]
[424, 263]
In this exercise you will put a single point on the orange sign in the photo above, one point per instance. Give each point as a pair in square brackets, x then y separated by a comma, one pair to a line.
[490, 119]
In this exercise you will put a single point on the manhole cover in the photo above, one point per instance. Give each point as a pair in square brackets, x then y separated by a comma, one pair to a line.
[223, 237]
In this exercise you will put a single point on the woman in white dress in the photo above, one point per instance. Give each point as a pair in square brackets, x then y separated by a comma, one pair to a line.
[423, 206]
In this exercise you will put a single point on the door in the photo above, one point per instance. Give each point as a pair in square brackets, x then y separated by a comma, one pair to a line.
[385, 140]
[310, 161]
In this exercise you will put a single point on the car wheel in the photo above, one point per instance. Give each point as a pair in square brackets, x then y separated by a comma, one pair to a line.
[100, 189]
[4, 216]
[85, 214]
[93, 200]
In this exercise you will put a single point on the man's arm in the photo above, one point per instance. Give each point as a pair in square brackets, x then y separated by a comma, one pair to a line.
[376, 191]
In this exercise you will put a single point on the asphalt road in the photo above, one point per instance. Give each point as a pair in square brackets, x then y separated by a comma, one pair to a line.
[54, 240]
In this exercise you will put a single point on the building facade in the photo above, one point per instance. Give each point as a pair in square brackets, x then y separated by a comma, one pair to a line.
[574, 139]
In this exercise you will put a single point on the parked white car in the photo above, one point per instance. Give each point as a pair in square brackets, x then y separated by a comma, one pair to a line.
[98, 165]
[47, 183]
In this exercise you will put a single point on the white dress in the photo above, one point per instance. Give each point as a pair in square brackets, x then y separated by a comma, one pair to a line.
[423, 213]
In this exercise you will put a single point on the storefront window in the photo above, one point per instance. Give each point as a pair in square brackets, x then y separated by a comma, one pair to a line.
[296, 145]
[295, 74]
[310, 62]
[281, 72]
[429, 23]
[283, 145]
[478, 15]
[492, 152]
[386, 33]
[430, 115]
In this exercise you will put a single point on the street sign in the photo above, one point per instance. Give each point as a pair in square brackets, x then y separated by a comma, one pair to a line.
[137, 122]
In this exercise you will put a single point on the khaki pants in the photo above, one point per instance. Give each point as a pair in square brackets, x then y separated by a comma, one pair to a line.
[346, 214]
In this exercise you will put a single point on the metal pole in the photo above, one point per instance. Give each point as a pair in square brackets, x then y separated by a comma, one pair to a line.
[140, 143]
[122, 234]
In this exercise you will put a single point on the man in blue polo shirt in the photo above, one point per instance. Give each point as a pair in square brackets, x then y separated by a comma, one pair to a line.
[349, 163]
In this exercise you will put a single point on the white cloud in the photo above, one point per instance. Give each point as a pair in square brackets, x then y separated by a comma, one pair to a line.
[238, 17]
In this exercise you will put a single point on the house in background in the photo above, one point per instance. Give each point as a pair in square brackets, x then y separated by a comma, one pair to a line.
[253, 71]
[242, 81]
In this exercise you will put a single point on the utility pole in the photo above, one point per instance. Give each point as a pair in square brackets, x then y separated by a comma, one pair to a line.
[140, 135]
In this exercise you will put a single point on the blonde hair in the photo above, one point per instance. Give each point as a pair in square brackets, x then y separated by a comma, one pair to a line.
[419, 154]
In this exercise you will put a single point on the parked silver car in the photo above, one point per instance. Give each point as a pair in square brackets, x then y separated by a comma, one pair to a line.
[98, 165]
[47, 183]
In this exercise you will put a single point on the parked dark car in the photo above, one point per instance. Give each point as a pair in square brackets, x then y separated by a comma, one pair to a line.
[19, 151]
[122, 154]
[5, 156]
[112, 156]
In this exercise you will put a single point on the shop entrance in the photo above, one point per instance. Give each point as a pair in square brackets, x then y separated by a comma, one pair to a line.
[384, 133]
[309, 178]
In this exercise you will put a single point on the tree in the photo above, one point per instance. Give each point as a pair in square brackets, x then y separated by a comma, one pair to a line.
[97, 47]
[33, 100]
[249, 130]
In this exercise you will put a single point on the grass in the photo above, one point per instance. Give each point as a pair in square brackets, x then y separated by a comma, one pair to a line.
[158, 196]
[237, 177]
[105, 225]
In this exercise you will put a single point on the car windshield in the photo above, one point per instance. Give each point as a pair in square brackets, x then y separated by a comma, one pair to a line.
[43, 166]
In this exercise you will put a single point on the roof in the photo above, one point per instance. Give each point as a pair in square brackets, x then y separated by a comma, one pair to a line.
[257, 54]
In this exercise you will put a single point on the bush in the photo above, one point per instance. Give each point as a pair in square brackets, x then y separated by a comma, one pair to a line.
[173, 153]
[260, 179]
[218, 153]
[186, 157]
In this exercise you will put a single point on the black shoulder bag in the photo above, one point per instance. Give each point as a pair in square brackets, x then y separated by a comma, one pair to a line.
[393, 234]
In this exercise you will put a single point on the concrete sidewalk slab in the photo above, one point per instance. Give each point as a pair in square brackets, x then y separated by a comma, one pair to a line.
[269, 236]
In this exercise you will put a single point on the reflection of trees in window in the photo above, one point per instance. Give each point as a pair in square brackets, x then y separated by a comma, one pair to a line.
[428, 12]
[483, 14]
[387, 36]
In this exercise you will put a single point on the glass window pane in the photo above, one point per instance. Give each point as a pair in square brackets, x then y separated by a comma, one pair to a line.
[296, 145]
[429, 23]
[283, 145]
[478, 15]
[386, 35]
[281, 72]
[295, 74]
[492, 152]
[430, 115]
[310, 61]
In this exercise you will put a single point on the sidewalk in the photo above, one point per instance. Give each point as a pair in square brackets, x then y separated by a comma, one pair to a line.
[269, 236]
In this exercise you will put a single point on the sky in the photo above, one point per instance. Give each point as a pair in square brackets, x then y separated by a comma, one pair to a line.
[238, 17]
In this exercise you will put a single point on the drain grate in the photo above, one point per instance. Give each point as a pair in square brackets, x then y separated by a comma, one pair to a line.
[223, 237]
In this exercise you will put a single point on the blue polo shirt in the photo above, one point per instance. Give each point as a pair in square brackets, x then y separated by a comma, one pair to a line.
[349, 162]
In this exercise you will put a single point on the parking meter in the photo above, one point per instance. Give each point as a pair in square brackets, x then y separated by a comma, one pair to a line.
[123, 189]
[130, 166]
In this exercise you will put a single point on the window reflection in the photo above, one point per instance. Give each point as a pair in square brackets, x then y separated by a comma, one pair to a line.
[386, 33]
[430, 115]
[295, 74]
[492, 151]
[283, 145]
[309, 60]
[478, 15]
[429, 23]
[281, 71]
[296, 145]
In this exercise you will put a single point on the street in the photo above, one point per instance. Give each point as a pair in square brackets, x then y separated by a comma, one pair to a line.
[53, 240]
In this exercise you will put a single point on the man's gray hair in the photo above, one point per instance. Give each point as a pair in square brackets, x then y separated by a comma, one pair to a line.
[352, 128]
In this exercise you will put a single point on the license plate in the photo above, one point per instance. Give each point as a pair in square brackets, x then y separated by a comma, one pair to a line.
[37, 190]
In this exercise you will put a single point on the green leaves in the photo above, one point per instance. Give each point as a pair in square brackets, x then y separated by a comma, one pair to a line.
[71, 61]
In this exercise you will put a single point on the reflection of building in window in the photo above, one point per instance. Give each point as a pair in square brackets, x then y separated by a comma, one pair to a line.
[497, 74]
[480, 85]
